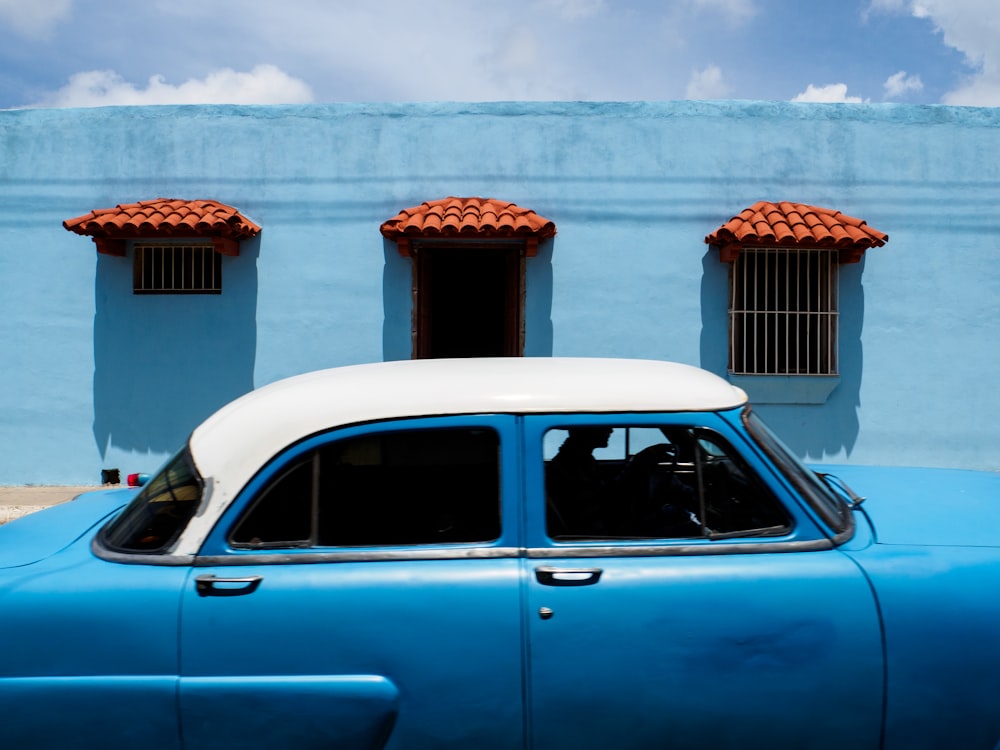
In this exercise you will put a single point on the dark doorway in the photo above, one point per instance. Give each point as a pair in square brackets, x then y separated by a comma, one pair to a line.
[468, 301]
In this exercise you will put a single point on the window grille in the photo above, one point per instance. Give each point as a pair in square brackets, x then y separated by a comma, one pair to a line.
[783, 311]
[176, 269]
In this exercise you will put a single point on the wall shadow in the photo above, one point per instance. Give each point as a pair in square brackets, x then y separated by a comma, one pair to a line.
[814, 431]
[538, 280]
[397, 303]
[163, 363]
[714, 344]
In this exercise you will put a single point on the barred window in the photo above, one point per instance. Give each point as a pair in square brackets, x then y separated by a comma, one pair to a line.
[171, 268]
[783, 310]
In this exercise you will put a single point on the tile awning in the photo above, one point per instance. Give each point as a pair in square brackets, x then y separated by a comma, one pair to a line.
[467, 218]
[164, 218]
[795, 225]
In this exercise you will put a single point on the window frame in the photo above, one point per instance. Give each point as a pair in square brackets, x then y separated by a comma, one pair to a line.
[424, 258]
[218, 550]
[772, 312]
[804, 533]
[694, 466]
[143, 255]
[141, 512]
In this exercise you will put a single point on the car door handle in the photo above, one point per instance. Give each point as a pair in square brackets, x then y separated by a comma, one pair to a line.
[210, 585]
[548, 576]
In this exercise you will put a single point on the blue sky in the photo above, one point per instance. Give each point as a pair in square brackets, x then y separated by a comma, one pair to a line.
[112, 52]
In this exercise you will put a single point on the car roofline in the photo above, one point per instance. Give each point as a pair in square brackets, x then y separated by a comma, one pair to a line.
[231, 445]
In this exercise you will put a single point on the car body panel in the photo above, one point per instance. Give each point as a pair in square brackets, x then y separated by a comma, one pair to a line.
[940, 610]
[96, 657]
[762, 651]
[38, 535]
[925, 506]
[934, 569]
[353, 712]
[90, 713]
[446, 634]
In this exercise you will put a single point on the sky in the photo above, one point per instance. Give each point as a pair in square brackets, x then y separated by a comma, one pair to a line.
[91, 53]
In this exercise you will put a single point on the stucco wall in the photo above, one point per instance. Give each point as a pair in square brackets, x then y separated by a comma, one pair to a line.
[94, 377]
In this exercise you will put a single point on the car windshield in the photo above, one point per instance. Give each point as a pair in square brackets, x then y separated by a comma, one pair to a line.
[158, 514]
[829, 506]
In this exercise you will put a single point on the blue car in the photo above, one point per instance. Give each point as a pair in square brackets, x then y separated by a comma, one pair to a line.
[504, 553]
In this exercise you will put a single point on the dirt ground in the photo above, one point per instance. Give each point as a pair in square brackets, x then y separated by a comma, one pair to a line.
[19, 501]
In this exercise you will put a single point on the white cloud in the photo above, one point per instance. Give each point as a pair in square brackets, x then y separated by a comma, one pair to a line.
[979, 91]
[973, 28]
[264, 84]
[34, 17]
[707, 84]
[832, 93]
[434, 56]
[521, 50]
[900, 84]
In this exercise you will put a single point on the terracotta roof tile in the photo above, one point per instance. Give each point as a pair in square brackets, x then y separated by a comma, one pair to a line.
[467, 217]
[795, 225]
[165, 217]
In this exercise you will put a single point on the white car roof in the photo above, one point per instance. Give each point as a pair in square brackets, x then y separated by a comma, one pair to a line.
[231, 445]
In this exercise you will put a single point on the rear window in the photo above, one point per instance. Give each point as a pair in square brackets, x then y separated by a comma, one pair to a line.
[152, 522]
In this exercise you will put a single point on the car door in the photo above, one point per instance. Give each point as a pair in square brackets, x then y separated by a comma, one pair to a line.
[713, 613]
[363, 592]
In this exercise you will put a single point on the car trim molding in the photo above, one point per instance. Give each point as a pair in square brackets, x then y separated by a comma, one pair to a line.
[472, 553]
[678, 550]
[338, 556]
[138, 558]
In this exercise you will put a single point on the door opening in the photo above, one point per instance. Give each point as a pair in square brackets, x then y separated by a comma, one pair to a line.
[468, 302]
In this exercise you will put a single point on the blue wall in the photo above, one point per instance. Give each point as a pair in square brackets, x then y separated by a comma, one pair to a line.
[94, 377]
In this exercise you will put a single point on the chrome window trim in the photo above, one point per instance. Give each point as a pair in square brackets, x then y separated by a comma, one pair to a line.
[137, 558]
[283, 557]
[703, 549]
[348, 556]
[490, 553]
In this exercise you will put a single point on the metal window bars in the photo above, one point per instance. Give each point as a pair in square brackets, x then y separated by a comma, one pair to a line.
[169, 268]
[783, 312]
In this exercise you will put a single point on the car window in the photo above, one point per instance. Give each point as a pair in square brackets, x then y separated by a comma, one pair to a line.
[653, 482]
[409, 487]
[158, 514]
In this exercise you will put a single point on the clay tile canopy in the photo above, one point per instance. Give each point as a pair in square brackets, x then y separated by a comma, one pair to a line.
[467, 218]
[165, 218]
[795, 225]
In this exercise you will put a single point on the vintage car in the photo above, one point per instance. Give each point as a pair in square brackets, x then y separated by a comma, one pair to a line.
[506, 553]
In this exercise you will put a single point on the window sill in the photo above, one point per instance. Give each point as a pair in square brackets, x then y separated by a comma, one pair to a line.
[786, 389]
